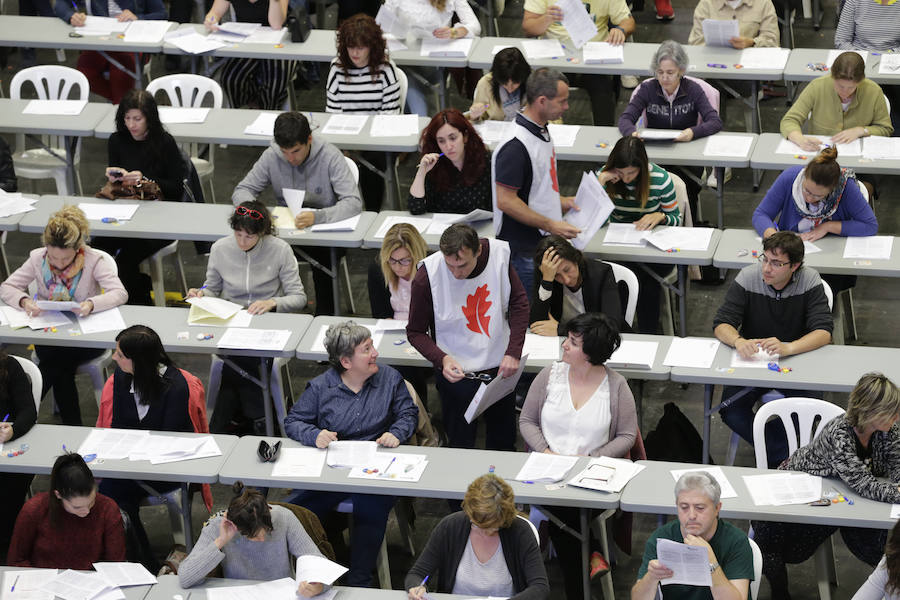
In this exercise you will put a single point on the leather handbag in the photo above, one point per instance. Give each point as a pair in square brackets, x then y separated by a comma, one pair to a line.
[145, 189]
[298, 24]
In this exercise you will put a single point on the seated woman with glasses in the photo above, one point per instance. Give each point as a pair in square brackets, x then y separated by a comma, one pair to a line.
[816, 200]
[484, 550]
[257, 270]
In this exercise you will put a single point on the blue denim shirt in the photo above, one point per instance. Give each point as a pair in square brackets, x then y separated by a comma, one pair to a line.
[383, 404]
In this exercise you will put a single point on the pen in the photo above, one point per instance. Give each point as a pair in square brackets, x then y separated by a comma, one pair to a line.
[424, 581]
[390, 464]
[6, 418]
[716, 65]
[418, 166]
[109, 220]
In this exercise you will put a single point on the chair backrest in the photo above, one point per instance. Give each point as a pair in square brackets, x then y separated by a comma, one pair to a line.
[757, 569]
[828, 294]
[34, 375]
[104, 255]
[425, 434]
[806, 410]
[681, 195]
[51, 82]
[354, 168]
[711, 93]
[537, 536]
[404, 85]
[187, 90]
[622, 273]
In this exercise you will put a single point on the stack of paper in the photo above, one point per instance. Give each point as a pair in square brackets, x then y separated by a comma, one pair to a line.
[160, 449]
[239, 30]
[14, 204]
[389, 325]
[113, 444]
[492, 132]
[146, 31]
[74, 585]
[697, 353]
[458, 48]
[125, 574]
[764, 58]
[488, 395]
[681, 238]
[779, 489]
[594, 208]
[17, 318]
[603, 53]
[889, 65]
[563, 136]
[876, 147]
[545, 467]
[441, 221]
[760, 360]
[420, 223]
[179, 114]
[217, 312]
[348, 224]
[394, 125]
[399, 467]
[716, 473]
[266, 35]
[263, 124]
[120, 211]
[728, 145]
[633, 354]
[719, 32]
[189, 41]
[833, 54]
[625, 234]
[280, 588]
[344, 454]
[877, 247]
[541, 347]
[318, 344]
[606, 474]
[341, 124]
[27, 584]
[299, 462]
[659, 135]
[102, 26]
[248, 338]
[689, 564]
[55, 107]
[548, 48]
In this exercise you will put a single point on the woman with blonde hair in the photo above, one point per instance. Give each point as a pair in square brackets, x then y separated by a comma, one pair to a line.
[483, 550]
[65, 269]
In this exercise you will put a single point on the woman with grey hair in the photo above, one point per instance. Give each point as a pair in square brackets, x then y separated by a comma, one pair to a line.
[672, 101]
[859, 447]
[356, 399]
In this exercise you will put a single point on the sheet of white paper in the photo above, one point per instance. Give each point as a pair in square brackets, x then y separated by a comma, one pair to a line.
[541, 347]
[594, 208]
[786, 146]
[351, 454]
[493, 392]
[58, 305]
[343, 225]
[420, 223]
[563, 136]
[146, 31]
[681, 238]
[458, 48]
[106, 320]
[191, 42]
[633, 354]
[250, 338]
[895, 511]
[393, 44]
[625, 234]
[764, 58]
[263, 124]
[727, 145]
[545, 467]
[394, 125]
[390, 24]
[833, 54]
[697, 353]
[94, 25]
[266, 35]
[659, 134]
[125, 574]
[238, 28]
[27, 584]
[606, 474]
[399, 467]
[319, 569]
[114, 444]
[14, 317]
[441, 221]
[810, 248]
[716, 473]
[603, 53]
[689, 564]
[218, 307]
[318, 344]
[207, 447]
[72, 585]
[341, 124]
[179, 114]
[14, 204]
[783, 488]
[853, 148]
[879, 147]
[548, 48]
[294, 200]
[494, 131]
[889, 65]
[299, 462]
[876, 247]
[55, 107]
[388, 325]
[760, 360]
[49, 318]
[719, 32]
[578, 23]
[119, 211]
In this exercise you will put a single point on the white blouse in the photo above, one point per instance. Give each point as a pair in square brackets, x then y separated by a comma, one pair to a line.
[476, 578]
[422, 15]
[401, 297]
[569, 431]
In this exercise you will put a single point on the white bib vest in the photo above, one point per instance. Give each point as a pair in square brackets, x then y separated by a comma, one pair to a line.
[470, 314]
[543, 198]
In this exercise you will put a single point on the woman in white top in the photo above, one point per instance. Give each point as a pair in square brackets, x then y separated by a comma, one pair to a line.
[884, 582]
[579, 407]
[426, 19]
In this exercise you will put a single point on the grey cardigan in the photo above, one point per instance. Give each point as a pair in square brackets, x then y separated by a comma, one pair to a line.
[324, 176]
[268, 270]
[623, 417]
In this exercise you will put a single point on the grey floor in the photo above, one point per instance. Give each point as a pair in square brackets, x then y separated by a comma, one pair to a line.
[872, 296]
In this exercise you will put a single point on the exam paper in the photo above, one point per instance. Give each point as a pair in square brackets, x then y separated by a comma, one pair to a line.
[342, 225]
[606, 474]
[217, 307]
[238, 28]
[318, 344]
[268, 590]
[764, 58]
[760, 360]
[876, 247]
[690, 564]
[190, 41]
[493, 132]
[27, 584]
[889, 65]
[833, 54]
[603, 53]
[14, 204]
[728, 145]
[146, 31]
[854, 148]
[58, 305]
[577, 21]
[186, 450]
[94, 25]
[545, 467]
[125, 574]
[294, 200]
[633, 354]
[182, 114]
[248, 338]
[549, 48]
[779, 489]
[16, 318]
[420, 223]
[563, 136]
[697, 353]
[625, 234]
[318, 569]
[388, 325]
[458, 48]
[541, 347]
[716, 473]
[263, 124]
[104, 320]
[659, 135]
[498, 388]
[55, 107]
[299, 462]
[441, 221]
[351, 454]
[72, 585]
[392, 26]
[266, 35]
[880, 147]
[680, 238]
[594, 208]
[399, 467]
[48, 318]
[113, 444]
[810, 248]
[341, 124]
[719, 32]
[394, 125]
[120, 211]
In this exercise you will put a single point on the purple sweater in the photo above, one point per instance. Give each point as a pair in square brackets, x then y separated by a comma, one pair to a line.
[689, 104]
[854, 213]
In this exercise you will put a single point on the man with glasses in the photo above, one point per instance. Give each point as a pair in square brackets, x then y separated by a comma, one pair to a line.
[777, 307]
[297, 160]
[468, 316]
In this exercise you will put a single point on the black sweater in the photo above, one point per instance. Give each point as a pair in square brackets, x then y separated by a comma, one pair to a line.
[167, 170]
[598, 289]
[18, 401]
[441, 557]
[8, 182]
[169, 413]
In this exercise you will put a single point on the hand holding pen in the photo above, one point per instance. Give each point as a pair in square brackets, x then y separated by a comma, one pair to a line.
[478, 109]
[428, 161]
[418, 592]
[195, 292]
[6, 430]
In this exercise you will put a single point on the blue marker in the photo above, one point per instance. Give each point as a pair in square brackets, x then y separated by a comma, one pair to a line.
[6, 418]
[716, 65]
[109, 220]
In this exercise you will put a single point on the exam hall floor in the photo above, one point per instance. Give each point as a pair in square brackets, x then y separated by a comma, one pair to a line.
[877, 325]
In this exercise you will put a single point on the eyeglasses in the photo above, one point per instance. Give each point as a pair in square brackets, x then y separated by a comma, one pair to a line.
[765, 260]
[816, 197]
[403, 262]
[478, 376]
[243, 211]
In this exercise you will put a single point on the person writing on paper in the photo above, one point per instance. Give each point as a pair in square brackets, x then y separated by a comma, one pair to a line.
[643, 194]
[571, 285]
[578, 406]
[757, 22]
[105, 77]
[525, 188]
[250, 540]
[353, 400]
[253, 82]
[774, 307]
[485, 549]
[884, 582]
[141, 148]
[65, 269]
[543, 19]
[697, 498]
[468, 317]
[861, 448]
[500, 94]
[69, 527]
[257, 270]
[454, 173]
[298, 160]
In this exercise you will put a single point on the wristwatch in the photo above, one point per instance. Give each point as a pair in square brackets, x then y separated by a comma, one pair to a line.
[713, 567]
[866, 131]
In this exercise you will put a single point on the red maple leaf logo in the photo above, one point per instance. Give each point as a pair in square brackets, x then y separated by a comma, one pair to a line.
[475, 310]
[553, 177]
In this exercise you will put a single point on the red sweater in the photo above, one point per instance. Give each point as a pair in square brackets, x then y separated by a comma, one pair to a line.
[76, 543]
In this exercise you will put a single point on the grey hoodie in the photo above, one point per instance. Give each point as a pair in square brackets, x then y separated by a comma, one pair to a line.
[268, 270]
[324, 175]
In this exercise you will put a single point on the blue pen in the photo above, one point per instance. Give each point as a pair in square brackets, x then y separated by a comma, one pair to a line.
[420, 164]
[528, 482]
[424, 581]
[390, 464]
[6, 418]
[717, 65]
[13, 588]
[109, 220]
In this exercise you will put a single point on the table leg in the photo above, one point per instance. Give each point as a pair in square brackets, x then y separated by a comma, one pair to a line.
[442, 88]
[267, 396]
[392, 195]
[720, 196]
[186, 517]
[335, 281]
[707, 416]
[754, 106]
[71, 143]
[585, 545]
[136, 74]
[682, 298]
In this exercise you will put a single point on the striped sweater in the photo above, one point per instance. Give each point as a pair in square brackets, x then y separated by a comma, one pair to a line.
[355, 91]
[867, 25]
[661, 198]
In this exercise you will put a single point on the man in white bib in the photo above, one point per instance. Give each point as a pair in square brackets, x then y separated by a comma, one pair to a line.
[468, 316]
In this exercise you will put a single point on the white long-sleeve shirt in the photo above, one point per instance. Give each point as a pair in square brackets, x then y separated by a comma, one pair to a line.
[422, 14]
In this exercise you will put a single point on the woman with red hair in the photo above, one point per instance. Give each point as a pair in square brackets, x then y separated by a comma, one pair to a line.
[454, 175]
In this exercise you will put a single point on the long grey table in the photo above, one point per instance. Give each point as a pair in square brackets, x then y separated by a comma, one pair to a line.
[318, 47]
[764, 157]
[484, 228]
[828, 369]
[449, 472]
[46, 442]
[829, 260]
[13, 120]
[132, 592]
[797, 67]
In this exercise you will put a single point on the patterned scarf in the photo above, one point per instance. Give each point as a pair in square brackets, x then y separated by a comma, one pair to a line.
[61, 284]
[828, 205]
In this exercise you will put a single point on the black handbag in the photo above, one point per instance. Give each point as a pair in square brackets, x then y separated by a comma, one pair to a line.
[298, 24]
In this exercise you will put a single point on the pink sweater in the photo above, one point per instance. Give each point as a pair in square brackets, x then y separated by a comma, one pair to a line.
[98, 274]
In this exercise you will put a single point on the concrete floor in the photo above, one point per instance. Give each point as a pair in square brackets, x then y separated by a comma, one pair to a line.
[872, 296]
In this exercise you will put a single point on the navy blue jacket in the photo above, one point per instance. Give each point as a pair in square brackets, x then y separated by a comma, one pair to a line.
[148, 10]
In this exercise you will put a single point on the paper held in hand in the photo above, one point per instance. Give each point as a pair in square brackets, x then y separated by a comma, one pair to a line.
[216, 312]
[490, 394]
[606, 474]
[593, 209]
[318, 569]
[578, 22]
[689, 564]
[719, 32]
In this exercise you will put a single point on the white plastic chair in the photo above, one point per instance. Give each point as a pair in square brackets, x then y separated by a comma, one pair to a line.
[34, 375]
[403, 79]
[345, 270]
[534, 530]
[51, 82]
[711, 93]
[622, 273]
[154, 264]
[757, 569]
[187, 90]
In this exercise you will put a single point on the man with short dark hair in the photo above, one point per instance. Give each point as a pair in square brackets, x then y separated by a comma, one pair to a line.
[527, 204]
[468, 317]
[778, 306]
[298, 160]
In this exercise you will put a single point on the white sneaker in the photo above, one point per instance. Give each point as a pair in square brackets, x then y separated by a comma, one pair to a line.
[629, 82]
[711, 182]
